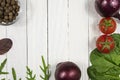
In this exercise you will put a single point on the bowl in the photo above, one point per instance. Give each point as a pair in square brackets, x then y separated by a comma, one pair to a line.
[9, 11]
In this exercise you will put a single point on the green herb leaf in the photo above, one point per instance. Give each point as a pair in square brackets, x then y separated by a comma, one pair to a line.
[45, 70]
[3, 64]
[14, 74]
[3, 79]
[30, 74]
[3, 72]
[2, 67]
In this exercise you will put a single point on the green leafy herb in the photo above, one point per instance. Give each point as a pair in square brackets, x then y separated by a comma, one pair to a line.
[106, 66]
[14, 74]
[2, 67]
[3, 79]
[45, 70]
[30, 74]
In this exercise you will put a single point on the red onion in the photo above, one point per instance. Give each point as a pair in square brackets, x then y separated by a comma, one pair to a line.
[108, 8]
[67, 71]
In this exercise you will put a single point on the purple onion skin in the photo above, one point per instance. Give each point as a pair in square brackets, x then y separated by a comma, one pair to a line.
[67, 71]
[108, 8]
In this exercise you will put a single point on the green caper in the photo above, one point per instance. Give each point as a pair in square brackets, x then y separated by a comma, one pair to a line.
[14, 6]
[17, 10]
[3, 4]
[1, 8]
[10, 14]
[10, 8]
[13, 12]
[16, 2]
[18, 7]
[12, 2]
[16, 14]
[10, 20]
[5, 14]
[3, 20]
[10, 17]
[0, 20]
[7, 10]
[7, 5]
[7, 21]
[1, 13]
[0, 1]
[14, 17]
[8, 1]
[6, 17]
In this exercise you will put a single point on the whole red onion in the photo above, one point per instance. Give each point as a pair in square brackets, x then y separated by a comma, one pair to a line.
[67, 71]
[108, 8]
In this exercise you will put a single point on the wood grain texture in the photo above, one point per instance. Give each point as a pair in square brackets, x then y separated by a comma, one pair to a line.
[37, 34]
[78, 34]
[94, 19]
[60, 30]
[2, 57]
[17, 56]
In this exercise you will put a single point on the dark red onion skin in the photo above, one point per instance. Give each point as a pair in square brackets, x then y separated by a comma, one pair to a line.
[108, 8]
[67, 71]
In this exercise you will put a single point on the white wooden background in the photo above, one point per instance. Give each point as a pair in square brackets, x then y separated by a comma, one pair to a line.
[60, 30]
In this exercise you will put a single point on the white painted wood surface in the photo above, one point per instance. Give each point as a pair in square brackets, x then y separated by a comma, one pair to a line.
[60, 30]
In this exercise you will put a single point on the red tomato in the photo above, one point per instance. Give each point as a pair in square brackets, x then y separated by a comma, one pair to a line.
[107, 25]
[105, 44]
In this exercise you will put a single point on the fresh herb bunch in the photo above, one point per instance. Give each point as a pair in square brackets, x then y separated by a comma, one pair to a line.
[2, 67]
[45, 70]
[14, 75]
[31, 76]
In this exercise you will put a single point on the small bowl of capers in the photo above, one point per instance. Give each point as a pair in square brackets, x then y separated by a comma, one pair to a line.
[9, 10]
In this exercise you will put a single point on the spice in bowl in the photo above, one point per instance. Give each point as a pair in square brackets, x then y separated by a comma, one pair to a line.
[8, 11]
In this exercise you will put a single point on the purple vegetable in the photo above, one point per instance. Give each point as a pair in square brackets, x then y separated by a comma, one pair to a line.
[108, 8]
[67, 71]
[5, 45]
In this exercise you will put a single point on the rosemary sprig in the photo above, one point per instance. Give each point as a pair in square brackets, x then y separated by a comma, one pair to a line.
[3, 79]
[45, 70]
[30, 74]
[2, 67]
[14, 74]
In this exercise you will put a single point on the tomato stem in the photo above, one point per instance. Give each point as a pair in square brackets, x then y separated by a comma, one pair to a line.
[106, 44]
[107, 23]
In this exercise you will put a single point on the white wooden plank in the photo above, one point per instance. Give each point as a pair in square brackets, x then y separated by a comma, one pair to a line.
[118, 24]
[37, 34]
[94, 32]
[94, 19]
[57, 29]
[78, 34]
[17, 55]
[3, 57]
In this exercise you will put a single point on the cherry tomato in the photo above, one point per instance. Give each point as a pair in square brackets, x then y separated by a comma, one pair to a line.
[107, 25]
[105, 44]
